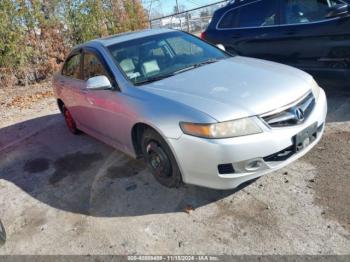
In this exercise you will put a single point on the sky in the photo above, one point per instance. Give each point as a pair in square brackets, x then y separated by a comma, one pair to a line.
[167, 6]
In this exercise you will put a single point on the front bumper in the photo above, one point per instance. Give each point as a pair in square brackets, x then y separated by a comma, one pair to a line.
[198, 158]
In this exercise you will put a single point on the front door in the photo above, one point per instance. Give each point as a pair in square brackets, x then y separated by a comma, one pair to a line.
[106, 112]
[311, 40]
[250, 29]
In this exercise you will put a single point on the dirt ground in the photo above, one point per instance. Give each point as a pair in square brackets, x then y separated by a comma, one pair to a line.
[65, 194]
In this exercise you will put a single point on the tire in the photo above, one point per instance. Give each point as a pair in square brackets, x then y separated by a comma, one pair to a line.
[160, 160]
[2, 234]
[70, 122]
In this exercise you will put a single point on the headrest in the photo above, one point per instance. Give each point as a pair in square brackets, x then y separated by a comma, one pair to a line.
[127, 65]
[150, 67]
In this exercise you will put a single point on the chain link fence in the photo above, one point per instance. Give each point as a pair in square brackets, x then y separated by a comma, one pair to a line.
[193, 21]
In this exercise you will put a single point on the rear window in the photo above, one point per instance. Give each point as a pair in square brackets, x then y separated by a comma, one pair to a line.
[301, 11]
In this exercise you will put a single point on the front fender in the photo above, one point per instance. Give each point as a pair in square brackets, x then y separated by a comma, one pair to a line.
[165, 115]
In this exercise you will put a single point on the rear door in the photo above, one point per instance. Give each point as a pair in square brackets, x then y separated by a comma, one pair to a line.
[311, 41]
[250, 29]
[70, 83]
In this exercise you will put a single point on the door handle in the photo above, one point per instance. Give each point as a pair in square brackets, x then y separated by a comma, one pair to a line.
[291, 33]
[262, 36]
[236, 36]
[91, 101]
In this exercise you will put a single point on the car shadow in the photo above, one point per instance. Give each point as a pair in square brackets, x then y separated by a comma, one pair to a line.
[82, 175]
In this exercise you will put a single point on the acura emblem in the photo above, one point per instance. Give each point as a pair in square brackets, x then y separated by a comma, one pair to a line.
[299, 114]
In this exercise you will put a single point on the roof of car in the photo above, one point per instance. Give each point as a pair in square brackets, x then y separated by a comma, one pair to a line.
[235, 3]
[119, 38]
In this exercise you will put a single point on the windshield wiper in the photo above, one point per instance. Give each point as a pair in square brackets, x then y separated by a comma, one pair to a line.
[184, 69]
[206, 62]
[154, 79]
[193, 66]
[209, 61]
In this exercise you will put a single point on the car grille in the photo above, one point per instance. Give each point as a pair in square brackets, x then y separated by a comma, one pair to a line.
[292, 115]
[282, 155]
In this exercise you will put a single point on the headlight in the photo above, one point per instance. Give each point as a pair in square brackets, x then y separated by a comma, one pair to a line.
[315, 89]
[240, 127]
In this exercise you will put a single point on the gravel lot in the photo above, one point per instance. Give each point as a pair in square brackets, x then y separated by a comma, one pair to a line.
[65, 194]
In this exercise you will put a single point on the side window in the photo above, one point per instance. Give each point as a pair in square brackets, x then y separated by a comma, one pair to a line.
[229, 20]
[258, 14]
[93, 67]
[301, 11]
[72, 67]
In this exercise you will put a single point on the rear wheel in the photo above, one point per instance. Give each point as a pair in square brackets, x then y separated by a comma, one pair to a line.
[160, 159]
[70, 122]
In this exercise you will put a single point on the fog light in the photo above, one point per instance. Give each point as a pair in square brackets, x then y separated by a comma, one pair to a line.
[254, 165]
[226, 169]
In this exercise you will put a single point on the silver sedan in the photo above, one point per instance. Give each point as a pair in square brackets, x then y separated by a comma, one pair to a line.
[196, 114]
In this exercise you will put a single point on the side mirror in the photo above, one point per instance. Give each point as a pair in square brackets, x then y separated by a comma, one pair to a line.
[221, 46]
[2, 234]
[338, 10]
[98, 83]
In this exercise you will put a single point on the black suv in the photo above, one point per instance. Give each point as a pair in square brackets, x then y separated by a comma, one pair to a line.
[313, 35]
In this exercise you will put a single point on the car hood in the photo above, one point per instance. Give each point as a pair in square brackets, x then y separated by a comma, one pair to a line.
[235, 88]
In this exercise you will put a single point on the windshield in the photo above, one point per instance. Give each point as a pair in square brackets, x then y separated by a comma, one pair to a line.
[153, 58]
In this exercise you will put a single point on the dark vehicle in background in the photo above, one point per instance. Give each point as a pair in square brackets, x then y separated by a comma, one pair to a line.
[313, 35]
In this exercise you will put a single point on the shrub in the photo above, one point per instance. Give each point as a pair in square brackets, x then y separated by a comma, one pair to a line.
[35, 35]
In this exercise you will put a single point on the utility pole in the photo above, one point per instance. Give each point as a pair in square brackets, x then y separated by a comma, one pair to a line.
[178, 11]
[149, 14]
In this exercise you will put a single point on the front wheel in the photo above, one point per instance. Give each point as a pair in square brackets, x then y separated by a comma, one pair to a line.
[2, 234]
[160, 159]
